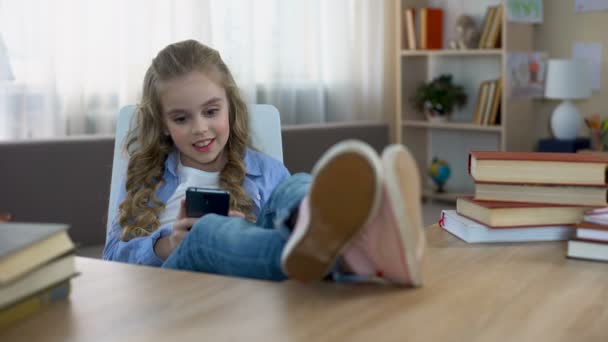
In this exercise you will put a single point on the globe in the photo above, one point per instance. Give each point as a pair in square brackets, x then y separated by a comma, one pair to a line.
[439, 171]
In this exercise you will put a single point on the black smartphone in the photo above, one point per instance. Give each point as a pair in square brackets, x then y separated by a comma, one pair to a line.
[201, 201]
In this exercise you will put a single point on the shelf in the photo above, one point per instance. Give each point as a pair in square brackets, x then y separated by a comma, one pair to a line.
[430, 194]
[472, 52]
[451, 125]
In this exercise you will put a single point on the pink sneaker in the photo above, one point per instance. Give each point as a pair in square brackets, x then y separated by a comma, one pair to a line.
[391, 246]
[343, 197]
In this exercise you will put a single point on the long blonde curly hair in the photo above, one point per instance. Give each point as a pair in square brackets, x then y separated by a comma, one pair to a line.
[148, 146]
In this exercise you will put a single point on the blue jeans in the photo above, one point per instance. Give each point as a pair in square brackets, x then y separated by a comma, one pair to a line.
[233, 246]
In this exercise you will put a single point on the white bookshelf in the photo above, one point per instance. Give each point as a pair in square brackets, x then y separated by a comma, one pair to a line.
[451, 141]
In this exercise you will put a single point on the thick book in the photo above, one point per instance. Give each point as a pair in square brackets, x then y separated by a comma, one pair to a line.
[589, 250]
[584, 169]
[474, 232]
[24, 246]
[552, 194]
[42, 277]
[592, 231]
[431, 28]
[34, 304]
[497, 214]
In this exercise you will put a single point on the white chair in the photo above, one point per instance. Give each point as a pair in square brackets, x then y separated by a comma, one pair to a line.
[265, 128]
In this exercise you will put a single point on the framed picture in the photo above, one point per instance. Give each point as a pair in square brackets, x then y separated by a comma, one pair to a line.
[524, 11]
[526, 73]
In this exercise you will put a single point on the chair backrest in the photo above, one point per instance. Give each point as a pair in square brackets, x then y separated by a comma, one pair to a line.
[265, 128]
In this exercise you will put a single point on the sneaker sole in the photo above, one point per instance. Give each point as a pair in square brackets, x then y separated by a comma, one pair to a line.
[344, 196]
[405, 191]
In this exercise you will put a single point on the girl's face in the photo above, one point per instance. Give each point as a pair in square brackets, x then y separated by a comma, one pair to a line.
[195, 113]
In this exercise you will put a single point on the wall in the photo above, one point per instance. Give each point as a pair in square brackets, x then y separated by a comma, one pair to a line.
[561, 27]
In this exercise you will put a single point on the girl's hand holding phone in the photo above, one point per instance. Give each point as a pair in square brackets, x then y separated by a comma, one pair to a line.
[164, 246]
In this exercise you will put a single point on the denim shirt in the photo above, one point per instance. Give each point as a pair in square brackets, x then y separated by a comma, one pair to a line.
[263, 174]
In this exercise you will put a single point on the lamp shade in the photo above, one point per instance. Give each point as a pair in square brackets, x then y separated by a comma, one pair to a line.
[567, 79]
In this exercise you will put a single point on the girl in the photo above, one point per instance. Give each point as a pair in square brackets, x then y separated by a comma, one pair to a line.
[193, 130]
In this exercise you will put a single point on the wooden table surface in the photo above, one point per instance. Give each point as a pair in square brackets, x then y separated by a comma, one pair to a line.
[503, 292]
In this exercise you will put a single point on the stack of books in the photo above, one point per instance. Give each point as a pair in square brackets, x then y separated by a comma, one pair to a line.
[36, 265]
[423, 28]
[591, 241]
[537, 177]
[528, 196]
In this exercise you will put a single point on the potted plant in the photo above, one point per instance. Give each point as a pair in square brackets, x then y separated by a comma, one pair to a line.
[438, 98]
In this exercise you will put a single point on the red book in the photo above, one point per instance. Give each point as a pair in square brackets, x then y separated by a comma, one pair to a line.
[431, 28]
[495, 214]
[579, 169]
[590, 225]
[592, 231]
[592, 196]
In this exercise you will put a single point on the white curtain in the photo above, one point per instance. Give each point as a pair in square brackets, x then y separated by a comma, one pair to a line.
[75, 62]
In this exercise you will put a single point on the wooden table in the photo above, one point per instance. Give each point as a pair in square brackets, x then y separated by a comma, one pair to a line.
[505, 292]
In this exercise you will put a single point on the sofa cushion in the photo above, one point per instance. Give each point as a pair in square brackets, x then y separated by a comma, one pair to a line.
[61, 180]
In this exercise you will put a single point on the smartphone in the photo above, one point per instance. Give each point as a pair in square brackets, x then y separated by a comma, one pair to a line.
[201, 201]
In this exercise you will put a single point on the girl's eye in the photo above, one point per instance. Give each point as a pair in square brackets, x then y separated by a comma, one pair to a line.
[212, 112]
[179, 119]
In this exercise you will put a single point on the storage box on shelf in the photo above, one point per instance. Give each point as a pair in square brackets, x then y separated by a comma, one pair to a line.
[452, 140]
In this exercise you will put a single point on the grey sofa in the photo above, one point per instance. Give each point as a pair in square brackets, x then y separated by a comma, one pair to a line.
[68, 180]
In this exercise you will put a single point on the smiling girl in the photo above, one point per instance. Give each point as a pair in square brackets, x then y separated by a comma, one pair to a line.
[193, 130]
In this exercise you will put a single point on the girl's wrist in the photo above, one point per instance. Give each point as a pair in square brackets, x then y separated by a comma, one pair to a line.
[162, 247]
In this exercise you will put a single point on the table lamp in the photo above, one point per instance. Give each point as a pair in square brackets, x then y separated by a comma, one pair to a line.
[6, 73]
[567, 80]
